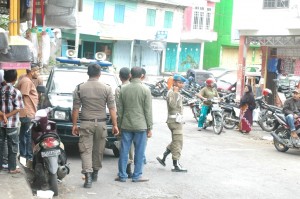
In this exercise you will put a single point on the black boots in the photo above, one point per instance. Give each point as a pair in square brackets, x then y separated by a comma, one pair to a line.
[128, 170]
[162, 161]
[95, 175]
[177, 167]
[88, 180]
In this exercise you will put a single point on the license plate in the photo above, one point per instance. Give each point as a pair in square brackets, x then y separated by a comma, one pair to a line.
[50, 153]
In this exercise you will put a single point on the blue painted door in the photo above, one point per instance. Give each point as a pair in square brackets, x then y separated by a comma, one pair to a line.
[171, 54]
[189, 56]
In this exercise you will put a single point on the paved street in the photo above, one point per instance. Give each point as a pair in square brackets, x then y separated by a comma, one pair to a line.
[230, 165]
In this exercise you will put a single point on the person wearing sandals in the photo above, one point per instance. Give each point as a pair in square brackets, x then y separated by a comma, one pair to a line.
[11, 102]
[291, 110]
[247, 106]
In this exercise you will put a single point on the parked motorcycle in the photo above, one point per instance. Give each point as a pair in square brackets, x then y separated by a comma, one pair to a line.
[282, 135]
[266, 118]
[195, 105]
[159, 89]
[49, 157]
[187, 96]
[231, 111]
[214, 117]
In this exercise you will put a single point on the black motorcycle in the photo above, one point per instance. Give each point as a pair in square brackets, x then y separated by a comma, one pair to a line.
[282, 135]
[160, 89]
[195, 105]
[49, 157]
[266, 118]
[231, 111]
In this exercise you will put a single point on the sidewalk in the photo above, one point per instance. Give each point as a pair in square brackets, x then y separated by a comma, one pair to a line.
[14, 186]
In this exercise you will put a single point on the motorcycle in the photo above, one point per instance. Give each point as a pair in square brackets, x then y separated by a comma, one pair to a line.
[195, 105]
[214, 117]
[231, 112]
[186, 95]
[49, 157]
[282, 135]
[266, 119]
[159, 89]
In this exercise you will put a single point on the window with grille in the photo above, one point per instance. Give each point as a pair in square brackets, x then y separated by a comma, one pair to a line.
[151, 15]
[202, 18]
[276, 4]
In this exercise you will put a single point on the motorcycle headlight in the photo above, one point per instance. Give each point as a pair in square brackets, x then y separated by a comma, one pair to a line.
[60, 115]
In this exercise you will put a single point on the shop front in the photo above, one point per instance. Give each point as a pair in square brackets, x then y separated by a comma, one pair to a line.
[280, 63]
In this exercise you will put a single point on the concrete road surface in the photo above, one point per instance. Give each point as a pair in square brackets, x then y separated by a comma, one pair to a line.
[230, 165]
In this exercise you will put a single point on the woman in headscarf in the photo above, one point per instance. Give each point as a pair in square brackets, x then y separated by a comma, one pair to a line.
[247, 106]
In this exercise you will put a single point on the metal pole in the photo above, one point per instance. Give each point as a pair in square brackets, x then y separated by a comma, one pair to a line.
[77, 35]
[131, 53]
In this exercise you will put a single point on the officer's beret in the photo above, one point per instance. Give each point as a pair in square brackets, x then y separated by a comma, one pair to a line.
[177, 77]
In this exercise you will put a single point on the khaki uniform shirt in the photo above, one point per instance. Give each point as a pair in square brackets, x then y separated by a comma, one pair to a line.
[92, 97]
[135, 107]
[117, 92]
[174, 103]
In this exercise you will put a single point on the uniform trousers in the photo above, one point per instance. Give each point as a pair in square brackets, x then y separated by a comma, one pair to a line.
[92, 145]
[177, 140]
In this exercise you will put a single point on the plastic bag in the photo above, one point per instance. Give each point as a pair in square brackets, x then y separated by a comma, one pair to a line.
[255, 114]
[179, 118]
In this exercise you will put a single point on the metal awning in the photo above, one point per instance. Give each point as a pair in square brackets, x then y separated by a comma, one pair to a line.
[278, 41]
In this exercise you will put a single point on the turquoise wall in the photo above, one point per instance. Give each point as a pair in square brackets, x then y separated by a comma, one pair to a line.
[189, 57]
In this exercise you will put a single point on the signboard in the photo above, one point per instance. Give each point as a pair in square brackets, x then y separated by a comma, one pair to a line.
[161, 35]
[14, 65]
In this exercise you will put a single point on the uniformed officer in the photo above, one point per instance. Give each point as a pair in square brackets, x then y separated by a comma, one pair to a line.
[174, 121]
[92, 97]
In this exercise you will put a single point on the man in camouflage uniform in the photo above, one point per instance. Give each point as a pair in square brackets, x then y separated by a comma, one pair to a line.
[93, 97]
[175, 111]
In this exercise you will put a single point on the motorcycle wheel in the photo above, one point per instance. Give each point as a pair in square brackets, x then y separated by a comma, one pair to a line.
[227, 123]
[194, 110]
[283, 134]
[218, 123]
[53, 183]
[267, 125]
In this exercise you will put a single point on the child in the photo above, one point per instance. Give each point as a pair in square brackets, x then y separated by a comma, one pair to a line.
[11, 102]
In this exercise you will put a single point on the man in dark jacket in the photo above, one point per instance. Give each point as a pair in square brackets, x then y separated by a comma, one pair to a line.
[291, 109]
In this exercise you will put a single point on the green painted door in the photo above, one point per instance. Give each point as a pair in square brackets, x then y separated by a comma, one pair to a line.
[189, 56]
[171, 54]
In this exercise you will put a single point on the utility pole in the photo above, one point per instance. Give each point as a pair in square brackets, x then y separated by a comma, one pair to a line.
[78, 25]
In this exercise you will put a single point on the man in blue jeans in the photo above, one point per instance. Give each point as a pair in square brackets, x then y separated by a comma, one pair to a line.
[291, 110]
[135, 120]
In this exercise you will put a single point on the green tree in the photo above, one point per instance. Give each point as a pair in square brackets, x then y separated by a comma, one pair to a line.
[4, 22]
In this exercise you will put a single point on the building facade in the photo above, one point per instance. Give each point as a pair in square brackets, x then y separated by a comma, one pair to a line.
[275, 26]
[224, 52]
[159, 35]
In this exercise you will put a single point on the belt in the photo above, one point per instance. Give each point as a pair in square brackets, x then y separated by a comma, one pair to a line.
[94, 120]
[172, 116]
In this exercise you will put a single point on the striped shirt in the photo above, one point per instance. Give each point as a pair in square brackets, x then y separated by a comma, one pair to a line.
[11, 99]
